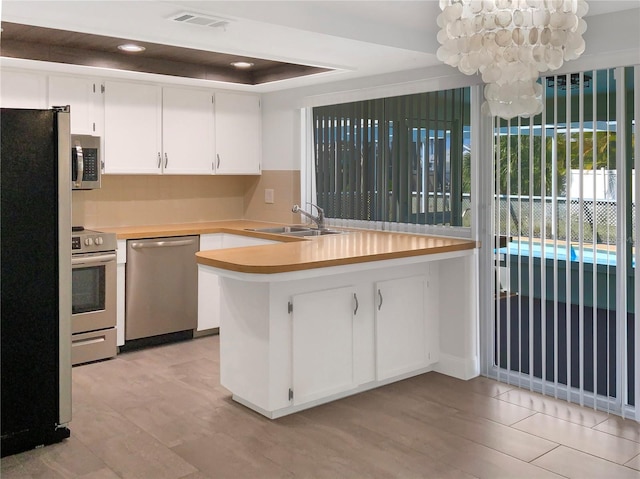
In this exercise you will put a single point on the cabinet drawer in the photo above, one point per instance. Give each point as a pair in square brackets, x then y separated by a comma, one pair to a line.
[93, 346]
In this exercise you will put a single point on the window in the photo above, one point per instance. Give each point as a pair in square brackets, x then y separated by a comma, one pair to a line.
[404, 159]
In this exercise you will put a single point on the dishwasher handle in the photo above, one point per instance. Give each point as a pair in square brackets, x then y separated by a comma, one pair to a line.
[162, 244]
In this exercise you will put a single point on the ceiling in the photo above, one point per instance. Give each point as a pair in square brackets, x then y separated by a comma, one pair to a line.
[64, 46]
[322, 40]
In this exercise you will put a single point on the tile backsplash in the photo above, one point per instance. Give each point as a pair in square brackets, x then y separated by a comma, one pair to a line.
[286, 188]
[142, 199]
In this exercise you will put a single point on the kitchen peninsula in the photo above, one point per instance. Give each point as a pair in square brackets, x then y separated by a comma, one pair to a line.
[309, 321]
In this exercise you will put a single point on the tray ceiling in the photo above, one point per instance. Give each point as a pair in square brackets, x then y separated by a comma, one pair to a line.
[61, 46]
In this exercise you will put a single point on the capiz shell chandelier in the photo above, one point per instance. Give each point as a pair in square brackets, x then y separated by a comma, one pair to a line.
[510, 42]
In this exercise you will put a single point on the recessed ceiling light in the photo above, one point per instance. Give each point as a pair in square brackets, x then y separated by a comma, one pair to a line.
[131, 47]
[242, 64]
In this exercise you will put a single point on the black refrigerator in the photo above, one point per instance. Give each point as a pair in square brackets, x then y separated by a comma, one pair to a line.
[35, 281]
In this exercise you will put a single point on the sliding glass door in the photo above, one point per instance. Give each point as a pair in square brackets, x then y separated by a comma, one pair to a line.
[564, 219]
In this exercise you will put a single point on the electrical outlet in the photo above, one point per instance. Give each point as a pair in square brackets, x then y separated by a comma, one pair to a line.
[268, 196]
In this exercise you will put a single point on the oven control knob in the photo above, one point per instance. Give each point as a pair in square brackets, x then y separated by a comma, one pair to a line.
[88, 241]
[99, 240]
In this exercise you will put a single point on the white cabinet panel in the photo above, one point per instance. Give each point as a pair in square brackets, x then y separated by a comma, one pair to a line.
[400, 326]
[238, 241]
[322, 343]
[228, 240]
[23, 90]
[208, 287]
[208, 299]
[187, 131]
[238, 133]
[84, 95]
[132, 128]
[211, 241]
[121, 260]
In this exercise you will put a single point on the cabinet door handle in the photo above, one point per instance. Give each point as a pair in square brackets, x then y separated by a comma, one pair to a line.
[159, 160]
[166, 159]
[218, 157]
[355, 297]
[380, 296]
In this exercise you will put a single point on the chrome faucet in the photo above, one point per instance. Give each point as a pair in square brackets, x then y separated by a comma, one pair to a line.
[319, 220]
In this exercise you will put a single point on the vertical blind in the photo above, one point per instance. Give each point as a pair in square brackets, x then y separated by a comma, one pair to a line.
[404, 159]
[564, 206]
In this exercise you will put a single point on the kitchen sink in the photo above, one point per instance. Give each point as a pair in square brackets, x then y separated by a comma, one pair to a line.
[314, 232]
[297, 231]
[280, 230]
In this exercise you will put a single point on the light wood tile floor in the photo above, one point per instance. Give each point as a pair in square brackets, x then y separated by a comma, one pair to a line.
[161, 413]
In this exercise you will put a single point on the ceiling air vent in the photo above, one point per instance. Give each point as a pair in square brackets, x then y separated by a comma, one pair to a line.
[200, 19]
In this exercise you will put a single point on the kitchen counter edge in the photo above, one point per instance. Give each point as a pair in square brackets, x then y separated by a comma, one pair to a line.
[294, 254]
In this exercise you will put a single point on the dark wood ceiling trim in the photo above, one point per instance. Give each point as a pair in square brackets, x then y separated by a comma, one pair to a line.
[59, 46]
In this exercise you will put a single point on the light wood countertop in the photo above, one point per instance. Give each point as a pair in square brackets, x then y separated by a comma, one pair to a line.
[298, 254]
[237, 227]
[356, 246]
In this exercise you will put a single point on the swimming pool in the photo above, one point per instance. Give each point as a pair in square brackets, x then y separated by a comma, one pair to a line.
[599, 271]
[602, 256]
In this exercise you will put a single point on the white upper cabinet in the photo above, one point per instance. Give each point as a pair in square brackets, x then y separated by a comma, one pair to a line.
[238, 133]
[149, 128]
[187, 131]
[132, 128]
[154, 130]
[84, 95]
[23, 90]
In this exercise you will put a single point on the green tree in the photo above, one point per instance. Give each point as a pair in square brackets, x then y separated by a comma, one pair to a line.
[522, 158]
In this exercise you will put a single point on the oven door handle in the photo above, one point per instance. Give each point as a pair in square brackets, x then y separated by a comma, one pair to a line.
[103, 258]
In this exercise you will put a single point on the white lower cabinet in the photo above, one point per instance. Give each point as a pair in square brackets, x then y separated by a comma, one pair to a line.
[330, 338]
[292, 341]
[323, 335]
[208, 299]
[401, 343]
[208, 288]
[240, 241]
[208, 281]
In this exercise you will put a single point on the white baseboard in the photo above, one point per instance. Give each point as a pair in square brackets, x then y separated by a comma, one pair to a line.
[461, 368]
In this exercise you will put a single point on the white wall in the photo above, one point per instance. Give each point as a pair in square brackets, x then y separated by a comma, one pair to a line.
[612, 40]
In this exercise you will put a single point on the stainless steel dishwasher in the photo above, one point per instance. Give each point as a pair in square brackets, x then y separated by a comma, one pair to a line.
[161, 292]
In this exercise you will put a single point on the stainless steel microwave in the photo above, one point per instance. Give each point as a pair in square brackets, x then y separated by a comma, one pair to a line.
[86, 167]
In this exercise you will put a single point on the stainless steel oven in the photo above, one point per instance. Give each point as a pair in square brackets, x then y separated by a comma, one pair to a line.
[93, 296]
